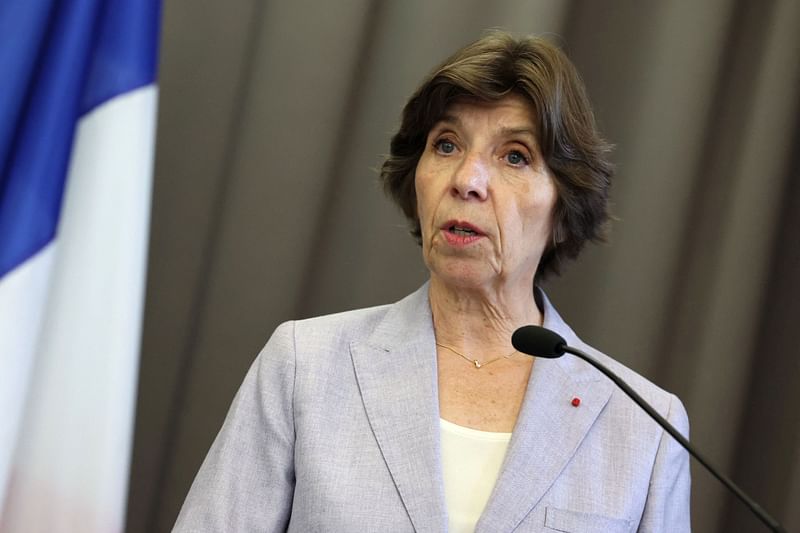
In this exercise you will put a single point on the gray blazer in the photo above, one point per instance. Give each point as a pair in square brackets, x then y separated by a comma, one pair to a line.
[336, 428]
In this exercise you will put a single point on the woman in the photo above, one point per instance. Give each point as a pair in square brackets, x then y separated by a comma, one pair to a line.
[420, 416]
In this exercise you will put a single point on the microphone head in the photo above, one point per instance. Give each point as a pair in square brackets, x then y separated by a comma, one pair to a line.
[539, 342]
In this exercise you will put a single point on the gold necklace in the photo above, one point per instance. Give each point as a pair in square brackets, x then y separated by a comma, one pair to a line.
[475, 362]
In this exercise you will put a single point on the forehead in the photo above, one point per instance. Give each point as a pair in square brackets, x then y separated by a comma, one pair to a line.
[511, 112]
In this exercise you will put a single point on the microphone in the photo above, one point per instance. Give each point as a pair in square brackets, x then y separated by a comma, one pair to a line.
[539, 342]
[542, 342]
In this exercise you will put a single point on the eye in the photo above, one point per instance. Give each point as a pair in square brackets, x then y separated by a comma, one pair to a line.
[517, 158]
[445, 146]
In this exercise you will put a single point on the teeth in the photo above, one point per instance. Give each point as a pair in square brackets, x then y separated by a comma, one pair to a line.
[462, 231]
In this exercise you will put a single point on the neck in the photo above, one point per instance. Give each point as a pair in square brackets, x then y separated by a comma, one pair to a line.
[480, 319]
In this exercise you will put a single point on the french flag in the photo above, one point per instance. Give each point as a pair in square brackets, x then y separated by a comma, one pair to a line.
[77, 125]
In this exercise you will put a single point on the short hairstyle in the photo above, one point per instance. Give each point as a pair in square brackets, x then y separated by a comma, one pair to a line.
[490, 68]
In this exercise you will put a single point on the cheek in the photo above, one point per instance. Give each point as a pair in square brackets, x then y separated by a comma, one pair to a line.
[419, 195]
[534, 220]
[423, 192]
[421, 207]
[544, 202]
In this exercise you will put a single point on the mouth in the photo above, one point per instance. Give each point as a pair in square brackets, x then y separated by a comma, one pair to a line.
[458, 233]
[462, 229]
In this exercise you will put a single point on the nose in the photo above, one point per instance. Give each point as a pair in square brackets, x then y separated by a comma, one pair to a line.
[470, 180]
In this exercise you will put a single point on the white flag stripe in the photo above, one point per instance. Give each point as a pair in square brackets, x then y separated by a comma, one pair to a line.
[23, 294]
[73, 453]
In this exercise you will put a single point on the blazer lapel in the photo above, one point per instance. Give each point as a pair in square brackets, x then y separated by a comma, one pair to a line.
[547, 434]
[396, 372]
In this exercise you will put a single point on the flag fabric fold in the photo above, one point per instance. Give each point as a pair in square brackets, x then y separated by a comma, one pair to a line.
[77, 128]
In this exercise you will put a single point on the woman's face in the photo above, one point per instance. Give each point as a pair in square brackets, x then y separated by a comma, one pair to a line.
[484, 195]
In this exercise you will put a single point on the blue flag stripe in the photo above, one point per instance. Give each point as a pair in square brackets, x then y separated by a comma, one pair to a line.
[34, 175]
[26, 24]
[91, 51]
[126, 51]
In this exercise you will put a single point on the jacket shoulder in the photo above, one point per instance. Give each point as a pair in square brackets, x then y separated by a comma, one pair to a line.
[345, 326]
[663, 401]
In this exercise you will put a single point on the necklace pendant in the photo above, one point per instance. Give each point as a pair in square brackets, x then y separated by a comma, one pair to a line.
[477, 364]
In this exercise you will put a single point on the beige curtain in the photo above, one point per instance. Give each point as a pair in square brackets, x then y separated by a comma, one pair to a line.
[274, 116]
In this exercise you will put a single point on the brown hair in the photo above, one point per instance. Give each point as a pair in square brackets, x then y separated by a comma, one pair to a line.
[487, 70]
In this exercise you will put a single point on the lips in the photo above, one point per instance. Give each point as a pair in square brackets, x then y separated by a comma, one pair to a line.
[460, 227]
[460, 233]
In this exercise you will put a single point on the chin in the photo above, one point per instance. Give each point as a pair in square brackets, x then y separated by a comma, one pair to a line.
[466, 276]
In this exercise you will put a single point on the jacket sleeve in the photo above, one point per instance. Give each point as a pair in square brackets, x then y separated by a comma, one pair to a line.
[246, 482]
[667, 505]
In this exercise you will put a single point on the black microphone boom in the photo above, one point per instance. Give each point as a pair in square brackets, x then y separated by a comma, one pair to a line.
[542, 342]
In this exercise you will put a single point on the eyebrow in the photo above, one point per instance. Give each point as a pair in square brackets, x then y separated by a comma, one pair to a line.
[456, 121]
[518, 131]
[452, 119]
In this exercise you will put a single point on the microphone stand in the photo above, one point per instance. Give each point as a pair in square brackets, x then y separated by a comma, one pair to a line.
[770, 522]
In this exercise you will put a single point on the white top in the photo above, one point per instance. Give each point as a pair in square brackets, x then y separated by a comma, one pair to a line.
[471, 461]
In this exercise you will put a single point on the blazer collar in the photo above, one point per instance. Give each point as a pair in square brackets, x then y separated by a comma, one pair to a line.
[396, 372]
[548, 432]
